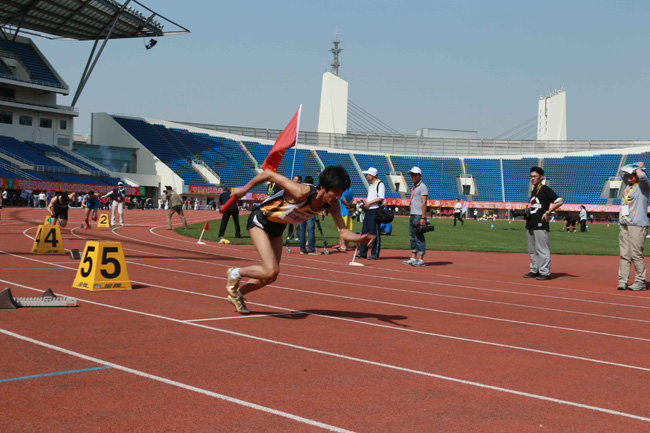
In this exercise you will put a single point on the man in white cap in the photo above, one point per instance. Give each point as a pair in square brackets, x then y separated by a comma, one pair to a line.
[418, 212]
[634, 223]
[376, 195]
[117, 196]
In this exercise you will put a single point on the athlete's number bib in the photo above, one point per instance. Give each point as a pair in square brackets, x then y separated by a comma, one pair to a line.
[295, 216]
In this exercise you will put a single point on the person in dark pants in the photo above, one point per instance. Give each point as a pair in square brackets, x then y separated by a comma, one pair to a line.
[232, 211]
[376, 195]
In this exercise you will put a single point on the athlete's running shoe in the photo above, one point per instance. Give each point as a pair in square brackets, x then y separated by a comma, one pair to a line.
[232, 284]
[239, 304]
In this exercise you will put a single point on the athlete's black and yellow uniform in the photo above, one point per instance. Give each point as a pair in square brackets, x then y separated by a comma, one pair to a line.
[274, 213]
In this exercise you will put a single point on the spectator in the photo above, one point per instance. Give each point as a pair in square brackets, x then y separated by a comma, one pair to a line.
[418, 217]
[583, 219]
[458, 212]
[344, 203]
[175, 205]
[543, 201]
[306, 229]
[634, 223]
[376, 195]
[232, 211]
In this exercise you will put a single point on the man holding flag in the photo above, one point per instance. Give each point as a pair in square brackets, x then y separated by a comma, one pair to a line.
[292, 204]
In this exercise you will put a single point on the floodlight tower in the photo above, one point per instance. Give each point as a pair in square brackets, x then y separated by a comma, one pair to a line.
[336, 50]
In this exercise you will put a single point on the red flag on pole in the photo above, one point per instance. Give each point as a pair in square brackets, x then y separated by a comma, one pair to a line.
[287, 138]
[206, 226]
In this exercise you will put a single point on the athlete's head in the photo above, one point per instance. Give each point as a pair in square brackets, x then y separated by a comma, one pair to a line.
[334, 177]
[64, 199]
[91, 193]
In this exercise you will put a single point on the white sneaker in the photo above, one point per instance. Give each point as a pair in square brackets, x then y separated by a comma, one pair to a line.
[409, 261]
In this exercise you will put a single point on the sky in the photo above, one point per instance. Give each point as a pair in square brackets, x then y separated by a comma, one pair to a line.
[470, 65]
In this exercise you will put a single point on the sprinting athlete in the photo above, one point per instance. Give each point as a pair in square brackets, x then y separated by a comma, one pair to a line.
[292, 204]
[90, 203]
[58, 208]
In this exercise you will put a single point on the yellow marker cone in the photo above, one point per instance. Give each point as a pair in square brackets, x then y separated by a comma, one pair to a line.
[48, 240]
[103, 220]
[102, 267]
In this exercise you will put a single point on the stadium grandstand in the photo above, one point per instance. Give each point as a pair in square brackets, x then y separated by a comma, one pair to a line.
[38, 150]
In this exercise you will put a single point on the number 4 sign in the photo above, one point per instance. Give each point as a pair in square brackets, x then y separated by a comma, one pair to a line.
[48, 240]
[102, 267]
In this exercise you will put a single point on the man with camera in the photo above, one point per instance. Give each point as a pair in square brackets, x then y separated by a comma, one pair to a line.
[418, 219]
[543, 201]
[376, 195]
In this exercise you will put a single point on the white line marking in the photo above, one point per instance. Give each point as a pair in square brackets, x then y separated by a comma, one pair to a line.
[179, 384]
[311, 350]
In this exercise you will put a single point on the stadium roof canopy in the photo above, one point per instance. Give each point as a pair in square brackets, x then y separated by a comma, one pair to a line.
[83, 19]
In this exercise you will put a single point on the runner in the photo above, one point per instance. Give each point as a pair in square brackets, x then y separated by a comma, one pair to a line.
[292, 204]
[90, 203]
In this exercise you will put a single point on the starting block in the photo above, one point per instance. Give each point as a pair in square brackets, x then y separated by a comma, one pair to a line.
[49, 299]
[48, 240]
[103, 220]
[103, 267]
[74, 254]
[48, 221]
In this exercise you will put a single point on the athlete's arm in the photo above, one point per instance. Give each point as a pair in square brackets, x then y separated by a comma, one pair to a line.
[293, 191]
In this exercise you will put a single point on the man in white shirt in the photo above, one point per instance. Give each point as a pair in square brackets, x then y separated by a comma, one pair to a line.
[376, 195]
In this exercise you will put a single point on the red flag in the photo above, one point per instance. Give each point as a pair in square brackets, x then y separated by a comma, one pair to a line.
[285, 140]
[206, 226]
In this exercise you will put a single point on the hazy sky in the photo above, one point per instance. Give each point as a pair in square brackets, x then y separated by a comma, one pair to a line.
[473, 65]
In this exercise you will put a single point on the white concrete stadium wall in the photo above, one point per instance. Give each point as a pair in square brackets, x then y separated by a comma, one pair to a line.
[333, 117]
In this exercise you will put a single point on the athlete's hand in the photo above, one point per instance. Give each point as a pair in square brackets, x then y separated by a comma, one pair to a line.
[367, 239]
[238, 192]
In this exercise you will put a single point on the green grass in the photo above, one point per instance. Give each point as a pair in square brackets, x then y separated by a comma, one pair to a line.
[473, 236]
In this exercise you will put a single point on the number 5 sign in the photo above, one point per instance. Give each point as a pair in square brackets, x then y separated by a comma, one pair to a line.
[102, 267]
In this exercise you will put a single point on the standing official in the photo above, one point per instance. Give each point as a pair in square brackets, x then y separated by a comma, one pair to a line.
[418, 212]
[376, 195]
[117, 195]
[543, 201]
[634, 226]
[226, 214]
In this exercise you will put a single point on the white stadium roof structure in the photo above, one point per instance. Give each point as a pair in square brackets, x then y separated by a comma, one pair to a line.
[83, 20]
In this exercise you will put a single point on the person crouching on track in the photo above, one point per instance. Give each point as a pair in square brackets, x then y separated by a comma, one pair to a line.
[58, 208]
[90, 203]
[293, 204]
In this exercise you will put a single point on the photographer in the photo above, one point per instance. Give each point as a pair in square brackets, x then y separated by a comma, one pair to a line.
[376, 195]
[543, 201]
[418, 211]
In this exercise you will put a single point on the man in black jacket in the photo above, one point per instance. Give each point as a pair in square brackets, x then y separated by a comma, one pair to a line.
[232, 211]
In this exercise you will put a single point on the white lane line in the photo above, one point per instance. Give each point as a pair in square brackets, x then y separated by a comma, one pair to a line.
[359, 322]
[178, 384]
[415, 282]
[320, 352]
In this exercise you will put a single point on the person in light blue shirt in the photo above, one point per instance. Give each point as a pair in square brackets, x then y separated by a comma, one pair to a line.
[345, 201]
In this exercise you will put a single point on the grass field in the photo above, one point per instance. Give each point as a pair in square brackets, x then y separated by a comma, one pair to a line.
[600, 239]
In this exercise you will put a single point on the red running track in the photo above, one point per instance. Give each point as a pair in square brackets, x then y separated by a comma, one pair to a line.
[464, 344]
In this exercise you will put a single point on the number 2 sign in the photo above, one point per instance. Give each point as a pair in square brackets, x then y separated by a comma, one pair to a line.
[102, 267]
